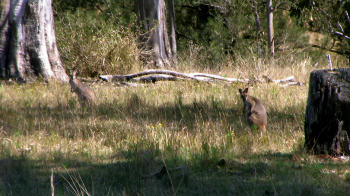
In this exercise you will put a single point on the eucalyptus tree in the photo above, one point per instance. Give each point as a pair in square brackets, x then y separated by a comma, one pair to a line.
[152, 15]
[28, 48]
[270, 30]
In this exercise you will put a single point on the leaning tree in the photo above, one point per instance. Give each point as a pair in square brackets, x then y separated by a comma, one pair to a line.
[28, 48]
[152, 15]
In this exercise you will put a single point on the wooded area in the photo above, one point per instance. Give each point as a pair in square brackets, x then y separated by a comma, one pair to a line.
[223, 28]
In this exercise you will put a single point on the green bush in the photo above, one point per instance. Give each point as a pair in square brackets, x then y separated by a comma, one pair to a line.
[92, 45]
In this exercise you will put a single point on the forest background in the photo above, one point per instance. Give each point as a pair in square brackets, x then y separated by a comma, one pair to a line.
[215, 31]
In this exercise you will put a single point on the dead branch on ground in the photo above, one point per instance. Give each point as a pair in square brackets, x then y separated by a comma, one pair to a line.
[153, 76]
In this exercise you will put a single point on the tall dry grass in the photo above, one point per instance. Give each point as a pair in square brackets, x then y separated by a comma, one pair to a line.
[134, 131]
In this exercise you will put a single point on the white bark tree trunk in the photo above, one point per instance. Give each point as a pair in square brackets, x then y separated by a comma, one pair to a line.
[258, 28]
[271, 39]
[28, 47]
[172, 31]
[152, 15]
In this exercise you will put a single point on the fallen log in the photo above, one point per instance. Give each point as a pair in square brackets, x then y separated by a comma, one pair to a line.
[168, 75]
[281, 81]
[292, 84]
[156, 78]
[211, 76]
[123, 78]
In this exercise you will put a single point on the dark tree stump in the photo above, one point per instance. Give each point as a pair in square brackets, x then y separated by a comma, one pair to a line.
[327, 118]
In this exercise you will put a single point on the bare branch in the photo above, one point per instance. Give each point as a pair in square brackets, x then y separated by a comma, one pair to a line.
[340, 34]
[118, 78]
[281, 4]
[340, 27]
[175, 75]
[219, 77]
[156, 78]
[332, 31]
[167, 75]
[347, 17]
[292, 84]
[327, 49]
[281, 81]
[222, 10]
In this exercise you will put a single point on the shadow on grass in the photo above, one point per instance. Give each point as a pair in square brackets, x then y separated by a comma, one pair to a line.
[263, 174]
[259, 174]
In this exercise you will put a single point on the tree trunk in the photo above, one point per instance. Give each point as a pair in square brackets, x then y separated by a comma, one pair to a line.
[271, 39]
[153, 17]
[258, 28]
[28, 44]
[172, 30]
[327, 118]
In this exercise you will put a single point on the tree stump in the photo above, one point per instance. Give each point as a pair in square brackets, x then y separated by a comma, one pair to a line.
[327, 118]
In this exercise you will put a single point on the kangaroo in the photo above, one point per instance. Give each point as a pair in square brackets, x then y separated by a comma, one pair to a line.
[85, 95]
[254, 110]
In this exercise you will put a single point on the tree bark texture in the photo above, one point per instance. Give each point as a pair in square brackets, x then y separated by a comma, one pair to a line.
[270, 33]
[152, 14]
[172, 30]
[327, 118]
[28, 47]
[258, 27]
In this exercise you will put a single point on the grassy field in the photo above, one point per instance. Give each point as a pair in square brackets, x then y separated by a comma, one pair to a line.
[186, 127]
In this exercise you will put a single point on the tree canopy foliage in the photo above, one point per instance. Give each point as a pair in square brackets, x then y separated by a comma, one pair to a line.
[328, 17]
[221, 28]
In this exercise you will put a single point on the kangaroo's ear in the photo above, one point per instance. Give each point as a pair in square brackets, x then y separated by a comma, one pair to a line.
[70, 73]
[240, 91]
[245, 90]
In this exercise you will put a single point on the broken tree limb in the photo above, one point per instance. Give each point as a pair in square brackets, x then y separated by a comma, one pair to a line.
[146, 79]
[347, 17]
[155, 78]
[168, 75]
[119, 78]
[281, 81]
[340, 34]
[292, 84]
[211, 76]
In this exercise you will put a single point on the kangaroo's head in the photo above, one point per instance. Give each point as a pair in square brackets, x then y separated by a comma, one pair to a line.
[73, 74]
[72, 79]
[244, 94]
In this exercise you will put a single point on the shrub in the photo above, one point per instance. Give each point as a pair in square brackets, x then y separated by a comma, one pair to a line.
[92, 45]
